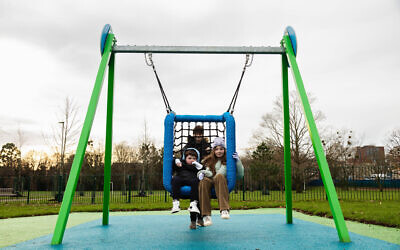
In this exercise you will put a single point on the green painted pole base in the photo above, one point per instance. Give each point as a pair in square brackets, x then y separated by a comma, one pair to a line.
[80, 151]
[317, 145]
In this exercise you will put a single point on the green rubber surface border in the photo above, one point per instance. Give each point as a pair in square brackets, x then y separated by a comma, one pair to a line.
[16, 230]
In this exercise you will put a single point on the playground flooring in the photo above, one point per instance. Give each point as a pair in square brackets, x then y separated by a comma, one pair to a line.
[247, 229]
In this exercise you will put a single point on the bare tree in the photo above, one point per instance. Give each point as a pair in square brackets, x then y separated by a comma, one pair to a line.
[271, 131]
[124, 154]
[340, 150]
[148, 156]
[21, 139]
[65, 135]
[393, 148]
[95, 155]
[34, 159]
[393, 153]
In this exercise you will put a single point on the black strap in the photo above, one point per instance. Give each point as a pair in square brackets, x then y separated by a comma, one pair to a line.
[231, 107]
[164, 96]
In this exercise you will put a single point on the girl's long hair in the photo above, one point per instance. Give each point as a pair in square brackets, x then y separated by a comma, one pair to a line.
[210, 160]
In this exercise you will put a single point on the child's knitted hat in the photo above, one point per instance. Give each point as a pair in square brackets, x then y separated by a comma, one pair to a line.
[218, 141]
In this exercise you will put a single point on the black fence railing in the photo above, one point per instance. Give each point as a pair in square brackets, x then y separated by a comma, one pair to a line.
[148, 188]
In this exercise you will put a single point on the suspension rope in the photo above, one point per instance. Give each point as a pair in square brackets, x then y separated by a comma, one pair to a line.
[148, 57]
[247, 64]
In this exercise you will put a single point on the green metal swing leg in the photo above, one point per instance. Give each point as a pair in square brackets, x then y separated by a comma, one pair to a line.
[80, 152]
[286, 139]
[108, 148]
[317, 145]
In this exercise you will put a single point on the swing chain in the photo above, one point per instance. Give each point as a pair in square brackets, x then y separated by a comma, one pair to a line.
[148, 58]
[247, 64]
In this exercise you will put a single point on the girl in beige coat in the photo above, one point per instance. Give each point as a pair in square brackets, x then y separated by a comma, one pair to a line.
[215, 176]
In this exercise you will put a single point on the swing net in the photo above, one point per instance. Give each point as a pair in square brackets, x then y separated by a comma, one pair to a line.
[179, 128]
[182, 131]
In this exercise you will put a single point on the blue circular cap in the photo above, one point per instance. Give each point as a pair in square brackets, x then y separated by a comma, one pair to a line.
[107, 29]
[292, 35]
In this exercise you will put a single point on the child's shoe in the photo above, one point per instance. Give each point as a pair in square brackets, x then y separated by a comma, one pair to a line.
[192, 225]
[225, 214]
[175, 206]
[193, 207]
[200, 222]
[207, 221]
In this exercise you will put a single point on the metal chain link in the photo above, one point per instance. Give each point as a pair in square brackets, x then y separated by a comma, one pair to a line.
[148, 57]
[247, 64]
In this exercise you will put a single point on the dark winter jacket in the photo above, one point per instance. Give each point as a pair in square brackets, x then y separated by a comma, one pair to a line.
[186, 171]
[203, 147]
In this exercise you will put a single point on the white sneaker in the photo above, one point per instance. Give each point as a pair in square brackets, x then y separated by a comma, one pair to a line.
[193, 207]
[225, 214]
[175, 206]
[207, 221]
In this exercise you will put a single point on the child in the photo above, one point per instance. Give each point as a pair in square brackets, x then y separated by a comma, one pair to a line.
[186, 175]
[198, 142]
[215, 176]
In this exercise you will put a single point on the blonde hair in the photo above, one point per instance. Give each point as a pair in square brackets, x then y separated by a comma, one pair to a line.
[210, 160]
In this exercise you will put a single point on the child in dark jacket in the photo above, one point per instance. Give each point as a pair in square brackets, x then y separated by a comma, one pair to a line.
[199, 142]
[186, 175]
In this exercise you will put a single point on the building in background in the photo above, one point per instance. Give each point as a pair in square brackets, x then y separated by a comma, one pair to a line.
[370, 154]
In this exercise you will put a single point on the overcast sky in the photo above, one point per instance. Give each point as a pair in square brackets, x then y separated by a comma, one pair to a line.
[348, 55]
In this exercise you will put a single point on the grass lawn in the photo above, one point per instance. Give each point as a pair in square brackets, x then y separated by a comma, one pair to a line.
[386, 213]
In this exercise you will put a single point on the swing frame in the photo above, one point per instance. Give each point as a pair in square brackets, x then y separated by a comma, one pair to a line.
[108, 49]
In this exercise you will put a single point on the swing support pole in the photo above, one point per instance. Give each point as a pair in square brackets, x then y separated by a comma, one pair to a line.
[108, 146]
[317, 145]
[286, 142]
[81, 148]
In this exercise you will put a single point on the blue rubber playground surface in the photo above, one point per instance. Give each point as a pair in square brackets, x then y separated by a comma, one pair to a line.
[242, 231]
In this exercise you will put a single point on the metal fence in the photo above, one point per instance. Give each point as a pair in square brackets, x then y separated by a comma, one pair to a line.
[148, 188]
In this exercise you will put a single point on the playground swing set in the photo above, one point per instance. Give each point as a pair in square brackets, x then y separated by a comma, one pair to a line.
[177, 127]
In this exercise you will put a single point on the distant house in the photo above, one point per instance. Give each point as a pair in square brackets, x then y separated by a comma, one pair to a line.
[370, 154]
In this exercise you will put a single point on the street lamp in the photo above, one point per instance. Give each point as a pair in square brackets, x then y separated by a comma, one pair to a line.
[62, 148]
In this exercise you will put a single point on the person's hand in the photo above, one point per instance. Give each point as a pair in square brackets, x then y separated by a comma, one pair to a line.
[200, 176]
[197, 165]
[236, 156]
[178, 163]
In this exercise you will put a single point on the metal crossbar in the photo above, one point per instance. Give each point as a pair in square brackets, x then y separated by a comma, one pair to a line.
[197, 49]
